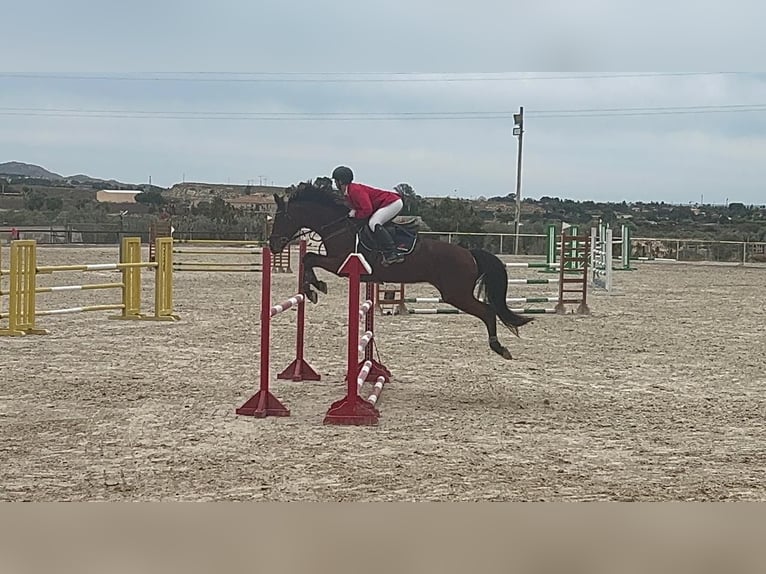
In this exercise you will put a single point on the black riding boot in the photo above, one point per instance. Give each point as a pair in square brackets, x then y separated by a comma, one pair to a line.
[386, 246]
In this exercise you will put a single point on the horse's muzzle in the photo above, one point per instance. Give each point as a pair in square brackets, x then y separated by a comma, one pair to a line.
[277, 244]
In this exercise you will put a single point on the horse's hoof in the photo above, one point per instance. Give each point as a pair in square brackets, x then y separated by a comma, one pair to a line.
[495, 345]
[312, 296]
[322, 286]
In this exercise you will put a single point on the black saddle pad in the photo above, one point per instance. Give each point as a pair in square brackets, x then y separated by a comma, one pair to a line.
[404, 239]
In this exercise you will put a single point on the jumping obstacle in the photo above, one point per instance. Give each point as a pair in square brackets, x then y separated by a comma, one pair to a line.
[23, 287]
[625, 250]
[602, 258]
[161, 228]
[353, 409]
[599, 242]
[246, 259]
[246, 253]
[263, 403]
[575, 255]
[573, 278]
[451, 311]
[391, 301]
[552, 248]
[553, 253]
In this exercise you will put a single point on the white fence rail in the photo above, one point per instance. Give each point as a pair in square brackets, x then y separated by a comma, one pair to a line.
[642, 248]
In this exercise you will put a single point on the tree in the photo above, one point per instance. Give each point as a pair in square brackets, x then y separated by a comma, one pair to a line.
[151, 197]
[452, 215]
[217, 210]
[405, 190]
[413, 203]
[33, 200]
[738, 210]
[54, 203]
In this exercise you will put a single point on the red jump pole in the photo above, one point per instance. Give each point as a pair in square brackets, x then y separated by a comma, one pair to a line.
[352, 409]
[299, 369]
[263, 403]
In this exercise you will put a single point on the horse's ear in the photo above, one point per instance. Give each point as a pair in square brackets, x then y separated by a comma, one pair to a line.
[323, 183]
[280, 202]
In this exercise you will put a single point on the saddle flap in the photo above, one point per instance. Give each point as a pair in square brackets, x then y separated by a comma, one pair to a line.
[404, 236]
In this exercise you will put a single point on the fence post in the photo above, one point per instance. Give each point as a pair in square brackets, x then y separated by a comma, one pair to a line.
[163, 282]
[130, 252]
[550, 245]
[23, 290]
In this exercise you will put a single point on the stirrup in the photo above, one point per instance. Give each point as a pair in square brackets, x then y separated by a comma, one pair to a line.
[390, 259]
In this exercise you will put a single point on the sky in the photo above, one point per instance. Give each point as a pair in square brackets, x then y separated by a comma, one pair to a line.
[420, 92]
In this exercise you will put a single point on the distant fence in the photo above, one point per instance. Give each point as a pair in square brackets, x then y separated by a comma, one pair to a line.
[698, 250]
[642, 248]
[109, 235]
[73, 234]
[499, 243]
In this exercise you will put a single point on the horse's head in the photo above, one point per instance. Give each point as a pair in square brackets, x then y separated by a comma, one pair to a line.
[308, 205]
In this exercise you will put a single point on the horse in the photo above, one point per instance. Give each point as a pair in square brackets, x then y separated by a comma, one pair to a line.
[452, 269]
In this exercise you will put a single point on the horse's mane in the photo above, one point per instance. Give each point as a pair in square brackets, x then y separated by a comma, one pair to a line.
[319, 191]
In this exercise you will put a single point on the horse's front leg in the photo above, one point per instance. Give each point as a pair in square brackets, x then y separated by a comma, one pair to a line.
[310, 261]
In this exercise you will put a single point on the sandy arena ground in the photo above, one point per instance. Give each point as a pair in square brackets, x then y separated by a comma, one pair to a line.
[659, 395]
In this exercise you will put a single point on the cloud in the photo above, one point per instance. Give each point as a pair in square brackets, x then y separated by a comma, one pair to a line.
[578, 155]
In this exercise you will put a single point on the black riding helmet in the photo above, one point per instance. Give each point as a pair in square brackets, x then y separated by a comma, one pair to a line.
[343, 174]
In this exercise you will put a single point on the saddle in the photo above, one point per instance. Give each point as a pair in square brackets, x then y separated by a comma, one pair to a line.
[404, 234]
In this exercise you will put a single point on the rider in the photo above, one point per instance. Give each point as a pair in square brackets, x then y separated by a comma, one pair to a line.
[379, 205]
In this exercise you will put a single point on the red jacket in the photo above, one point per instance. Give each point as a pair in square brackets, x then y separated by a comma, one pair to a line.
[366, 200]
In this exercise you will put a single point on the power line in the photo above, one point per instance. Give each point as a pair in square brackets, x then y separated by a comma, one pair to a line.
[307, 117]
[374, 116]
[339, 77]
[649, 108]
[648, 111]
[237, 113]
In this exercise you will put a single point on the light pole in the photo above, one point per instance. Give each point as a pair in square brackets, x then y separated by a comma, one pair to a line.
[518, 130]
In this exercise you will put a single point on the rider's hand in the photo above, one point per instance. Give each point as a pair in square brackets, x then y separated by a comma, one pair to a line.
[352, 213]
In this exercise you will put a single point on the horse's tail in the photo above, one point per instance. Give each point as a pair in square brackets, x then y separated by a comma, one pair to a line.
[493, 281]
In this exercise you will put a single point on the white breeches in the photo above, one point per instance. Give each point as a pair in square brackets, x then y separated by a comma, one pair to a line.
[385, 214]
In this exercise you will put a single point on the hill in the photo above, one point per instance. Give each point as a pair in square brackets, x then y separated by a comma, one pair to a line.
[28, 170]
[82, 178]
[47, 196]
[17, 169]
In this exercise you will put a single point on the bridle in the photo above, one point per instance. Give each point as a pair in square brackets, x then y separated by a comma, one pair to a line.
[298, 234]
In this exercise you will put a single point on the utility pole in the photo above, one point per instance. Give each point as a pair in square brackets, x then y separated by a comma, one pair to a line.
[518, 130]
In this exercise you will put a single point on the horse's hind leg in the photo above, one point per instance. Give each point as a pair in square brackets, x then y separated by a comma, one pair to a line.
[469, 304]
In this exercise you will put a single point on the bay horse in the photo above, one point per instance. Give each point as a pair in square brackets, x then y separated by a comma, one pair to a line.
[454, 270]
